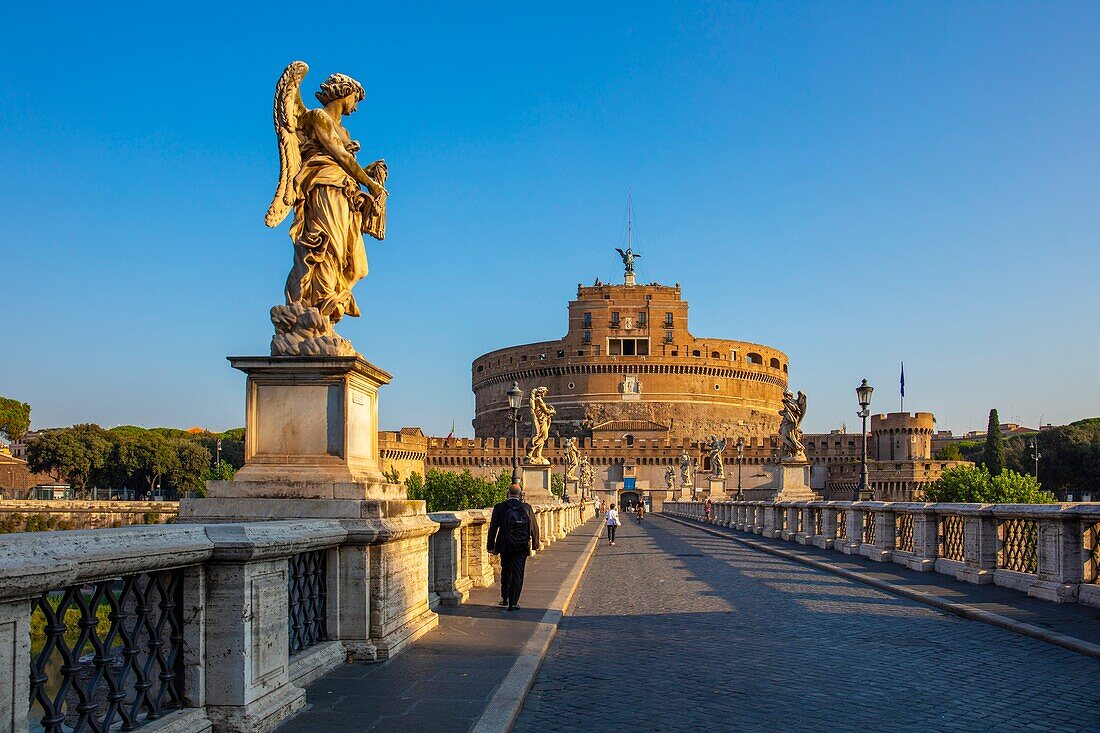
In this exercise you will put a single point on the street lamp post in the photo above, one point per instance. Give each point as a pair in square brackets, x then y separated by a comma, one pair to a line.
[740, 462]
[515, 401]
[863, 394]
[1036, 454]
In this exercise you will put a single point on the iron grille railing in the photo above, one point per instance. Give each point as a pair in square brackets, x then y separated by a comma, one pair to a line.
[903, 531]
[841, 525]
[1092, 543]
[112, 655]
[306, 607]
[868, 528]
[952, 543]
[1018, 550]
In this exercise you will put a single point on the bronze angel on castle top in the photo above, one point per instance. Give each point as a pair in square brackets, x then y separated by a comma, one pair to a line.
[323, 184]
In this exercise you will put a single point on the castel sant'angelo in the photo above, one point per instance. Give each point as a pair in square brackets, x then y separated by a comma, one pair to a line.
[629, 356]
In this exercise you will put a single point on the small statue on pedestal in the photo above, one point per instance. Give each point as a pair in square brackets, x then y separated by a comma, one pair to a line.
[572, 459]
[790, 428]
[717, 465]
[541, 415]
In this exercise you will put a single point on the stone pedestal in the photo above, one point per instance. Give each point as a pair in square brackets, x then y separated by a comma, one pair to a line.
[536, 485]
[311, 452]
[572, 489]
[716, 489]
[311, 429]
[791, 482]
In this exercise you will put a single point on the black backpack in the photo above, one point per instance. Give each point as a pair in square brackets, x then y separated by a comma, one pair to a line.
[516, 531]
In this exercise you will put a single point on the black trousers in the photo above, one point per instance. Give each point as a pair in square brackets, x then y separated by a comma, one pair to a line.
[611, 532]
[512, 565]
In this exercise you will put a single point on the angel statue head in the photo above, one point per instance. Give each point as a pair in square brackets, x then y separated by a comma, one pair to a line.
[338, 86]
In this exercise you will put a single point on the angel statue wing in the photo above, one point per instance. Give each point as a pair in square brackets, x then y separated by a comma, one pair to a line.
[288, 109]
[801, 406]
[621, 253]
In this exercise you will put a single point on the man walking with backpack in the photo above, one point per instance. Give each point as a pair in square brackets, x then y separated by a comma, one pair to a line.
[513, 532]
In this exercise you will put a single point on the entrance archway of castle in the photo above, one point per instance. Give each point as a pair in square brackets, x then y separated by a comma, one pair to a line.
[629, 499]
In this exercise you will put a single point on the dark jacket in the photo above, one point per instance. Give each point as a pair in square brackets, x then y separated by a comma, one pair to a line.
[496, 524]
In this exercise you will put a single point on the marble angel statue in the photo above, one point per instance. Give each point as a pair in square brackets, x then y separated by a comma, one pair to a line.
[323, 184]
[790, 427]
[717, 464]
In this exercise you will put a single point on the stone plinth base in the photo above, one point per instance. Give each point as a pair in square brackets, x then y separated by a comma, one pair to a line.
[311, 428]
[536, 485]
[717, 489]
[791, 482]
[381, 569]
[572, 489]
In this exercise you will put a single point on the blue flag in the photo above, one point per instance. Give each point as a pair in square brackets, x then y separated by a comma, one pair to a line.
[903, 379]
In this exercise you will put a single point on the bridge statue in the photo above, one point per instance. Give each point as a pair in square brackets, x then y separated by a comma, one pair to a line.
[686, 477]
[572, 459]
[321, 181]
[790, 428]
[541, 414]
[670, 478]
[715, 448]
[587, 477]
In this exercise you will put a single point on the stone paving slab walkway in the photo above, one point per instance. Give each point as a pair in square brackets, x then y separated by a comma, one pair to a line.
[675, 629]
[446, 680]
[1071, 620]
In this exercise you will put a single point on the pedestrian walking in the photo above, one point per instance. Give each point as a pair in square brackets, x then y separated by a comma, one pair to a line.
[612, 524]
[513, 534]
[706, 510]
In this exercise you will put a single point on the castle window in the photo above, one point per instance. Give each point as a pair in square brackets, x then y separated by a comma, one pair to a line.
[774, 363]
[614, 319]
[668, 320]
[668, 337]
[614, 347]
[717, 387]
[523, 358]
[696, 352]
[588, 320]
[754, 358]
[733, 354]
[675, 353]
[641, 319]
[784, 368]
[561, 353]
[587, 337]
[629, 440]
[572, 386]
[480, 368]
[580, 352]
[715, 355]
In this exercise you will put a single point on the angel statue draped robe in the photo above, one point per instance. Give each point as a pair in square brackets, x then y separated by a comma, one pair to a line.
[321, 182]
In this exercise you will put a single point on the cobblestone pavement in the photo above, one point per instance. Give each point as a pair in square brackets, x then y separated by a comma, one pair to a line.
[676, 630]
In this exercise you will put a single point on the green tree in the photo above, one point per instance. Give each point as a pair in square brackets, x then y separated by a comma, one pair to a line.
[975, 484]
[74, 455]
[188, 471]
[949, 452]
[557, 484]
[146, 457]
[994, 456]
[450, 491]
[15, 418]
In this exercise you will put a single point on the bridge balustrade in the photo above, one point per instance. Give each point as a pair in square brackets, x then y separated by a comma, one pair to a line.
[1049, 551]
[125, 618]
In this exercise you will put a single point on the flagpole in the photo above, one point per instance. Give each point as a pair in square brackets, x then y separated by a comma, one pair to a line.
[903, 387]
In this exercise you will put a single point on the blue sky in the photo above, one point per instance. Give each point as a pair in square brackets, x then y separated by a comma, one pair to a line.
[856, 184]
